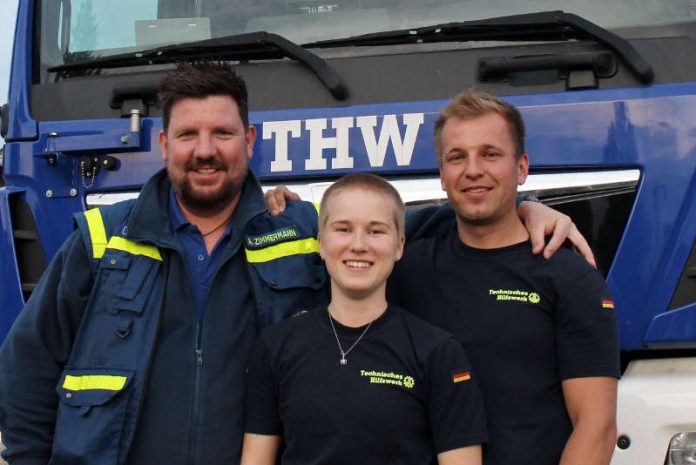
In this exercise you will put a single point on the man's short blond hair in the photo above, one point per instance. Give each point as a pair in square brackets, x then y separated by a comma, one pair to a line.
[472, 104]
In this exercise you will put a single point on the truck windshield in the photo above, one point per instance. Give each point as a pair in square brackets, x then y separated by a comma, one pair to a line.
[76, 30]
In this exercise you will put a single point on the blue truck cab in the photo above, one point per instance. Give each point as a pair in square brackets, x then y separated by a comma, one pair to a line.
[607, 91]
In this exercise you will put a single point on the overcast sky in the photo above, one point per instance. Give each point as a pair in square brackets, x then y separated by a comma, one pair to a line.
[7, 24]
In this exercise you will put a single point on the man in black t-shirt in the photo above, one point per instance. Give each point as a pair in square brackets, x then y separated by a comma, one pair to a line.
[541, 334]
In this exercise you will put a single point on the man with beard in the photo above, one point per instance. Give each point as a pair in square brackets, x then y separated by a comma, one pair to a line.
[133, 347]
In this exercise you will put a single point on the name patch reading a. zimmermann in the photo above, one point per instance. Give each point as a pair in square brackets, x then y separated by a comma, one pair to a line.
[272, 238]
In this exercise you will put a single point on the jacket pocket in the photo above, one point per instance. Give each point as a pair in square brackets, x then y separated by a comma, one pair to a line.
[125, 282]
[292, 272]
[91, 414]
[288, 285]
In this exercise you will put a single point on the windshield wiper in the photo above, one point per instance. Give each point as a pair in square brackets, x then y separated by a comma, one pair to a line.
[541, 26]
[242, 47]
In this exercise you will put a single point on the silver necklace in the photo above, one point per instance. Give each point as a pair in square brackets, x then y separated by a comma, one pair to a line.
[343, 360]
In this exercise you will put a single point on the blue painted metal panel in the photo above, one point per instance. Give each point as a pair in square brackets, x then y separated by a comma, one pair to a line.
[22, 126]
[674, 328]
[11, 300]
[36, 177]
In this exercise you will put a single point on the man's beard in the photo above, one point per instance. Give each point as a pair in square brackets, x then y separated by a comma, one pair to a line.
[209, 202]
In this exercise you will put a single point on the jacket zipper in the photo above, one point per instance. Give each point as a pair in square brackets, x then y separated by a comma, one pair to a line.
[198, 349]
[195, 409]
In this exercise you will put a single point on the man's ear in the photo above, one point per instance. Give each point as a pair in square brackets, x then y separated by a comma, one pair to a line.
[522, 169]
[163, 144]
[250, 137]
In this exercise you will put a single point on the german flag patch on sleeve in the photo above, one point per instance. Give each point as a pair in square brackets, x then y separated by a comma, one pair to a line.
[608, 304]
[459, 376]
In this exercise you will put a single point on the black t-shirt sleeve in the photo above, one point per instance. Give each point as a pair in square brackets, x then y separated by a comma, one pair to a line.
[586, 329]
[455, 407]
[261, 415]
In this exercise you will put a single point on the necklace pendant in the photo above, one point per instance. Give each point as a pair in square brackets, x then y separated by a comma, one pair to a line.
[343, 361]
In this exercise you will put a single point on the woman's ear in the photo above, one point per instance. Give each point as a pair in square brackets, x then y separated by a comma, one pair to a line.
[400, 248]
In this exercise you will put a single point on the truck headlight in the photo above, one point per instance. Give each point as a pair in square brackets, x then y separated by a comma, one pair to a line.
[682, 449]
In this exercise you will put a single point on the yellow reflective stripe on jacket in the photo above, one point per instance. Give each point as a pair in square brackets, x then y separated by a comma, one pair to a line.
[84, 382]
[317, 206]
[135, 248]
[97, 233]
[299, 247]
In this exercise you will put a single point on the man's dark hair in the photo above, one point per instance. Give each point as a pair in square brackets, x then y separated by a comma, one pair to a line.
[201, 80]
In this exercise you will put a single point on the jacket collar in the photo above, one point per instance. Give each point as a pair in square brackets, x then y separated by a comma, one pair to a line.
[150, 222]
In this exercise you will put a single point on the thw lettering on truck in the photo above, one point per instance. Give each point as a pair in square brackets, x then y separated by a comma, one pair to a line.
[400, 131]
